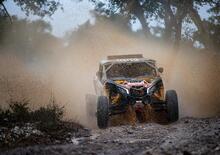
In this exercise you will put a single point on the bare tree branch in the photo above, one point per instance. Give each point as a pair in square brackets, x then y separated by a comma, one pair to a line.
[6, 11]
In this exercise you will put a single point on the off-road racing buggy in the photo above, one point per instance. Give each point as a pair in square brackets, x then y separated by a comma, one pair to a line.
[132, 84]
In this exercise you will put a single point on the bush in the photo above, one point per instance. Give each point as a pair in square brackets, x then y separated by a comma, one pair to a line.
[47, 117]
[5, 116]
[20, 111]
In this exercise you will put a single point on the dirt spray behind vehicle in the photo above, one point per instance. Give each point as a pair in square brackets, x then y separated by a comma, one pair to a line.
[68, 72]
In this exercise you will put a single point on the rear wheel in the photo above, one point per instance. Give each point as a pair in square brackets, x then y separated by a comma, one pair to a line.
[102, 112]
[172, 105]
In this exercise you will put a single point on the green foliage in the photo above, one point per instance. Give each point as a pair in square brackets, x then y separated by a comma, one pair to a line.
[19, 111]
[37, 7]
[172, 12]
[47, 117]
[27, 40]
[5, 116]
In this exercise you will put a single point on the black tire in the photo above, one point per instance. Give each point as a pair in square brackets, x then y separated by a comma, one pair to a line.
[102, 112]
[172, 106]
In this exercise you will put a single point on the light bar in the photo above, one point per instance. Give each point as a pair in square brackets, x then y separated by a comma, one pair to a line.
[112, 57]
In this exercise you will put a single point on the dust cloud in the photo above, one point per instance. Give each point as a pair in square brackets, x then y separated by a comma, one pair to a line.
[68, 72]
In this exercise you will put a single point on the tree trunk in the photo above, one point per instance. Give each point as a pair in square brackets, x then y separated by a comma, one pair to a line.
[168, 27]
[6, 11]
[178, 32]
[170, 20]
[179, 16]
[144, 25]
[201, 28]
[135, 8]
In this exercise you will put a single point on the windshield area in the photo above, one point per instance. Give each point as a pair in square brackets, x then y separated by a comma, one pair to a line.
[130, 70]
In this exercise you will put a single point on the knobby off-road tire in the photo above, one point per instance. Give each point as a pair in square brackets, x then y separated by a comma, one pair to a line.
[172, 106]
[102, 112]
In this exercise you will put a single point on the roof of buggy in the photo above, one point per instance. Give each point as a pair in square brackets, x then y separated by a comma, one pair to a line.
[127, 58]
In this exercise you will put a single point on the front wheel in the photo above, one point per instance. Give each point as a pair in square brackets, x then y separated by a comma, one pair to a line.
[102, 112]
[172, 106]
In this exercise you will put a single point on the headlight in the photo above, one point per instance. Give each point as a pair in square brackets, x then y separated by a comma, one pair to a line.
[151, 90]
[154, 86]
[123, 90]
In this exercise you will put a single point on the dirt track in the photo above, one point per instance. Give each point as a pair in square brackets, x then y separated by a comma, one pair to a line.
[187, 136]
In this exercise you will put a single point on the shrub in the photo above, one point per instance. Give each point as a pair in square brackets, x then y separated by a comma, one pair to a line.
[5, 116]
[48, 116]
[20, 111]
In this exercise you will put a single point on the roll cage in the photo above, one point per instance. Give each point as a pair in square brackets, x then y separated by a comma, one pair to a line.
[105, 66]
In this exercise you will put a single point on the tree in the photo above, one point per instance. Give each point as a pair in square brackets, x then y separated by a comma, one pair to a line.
[209, 29]
[4, 11]
[214, 30]
[27, 39]
[172, 12]
[36, 7]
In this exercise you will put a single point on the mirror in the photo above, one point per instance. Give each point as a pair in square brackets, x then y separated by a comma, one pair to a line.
[160, 69]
